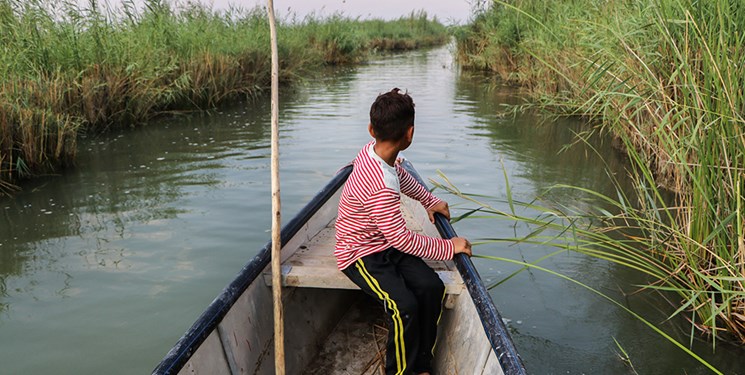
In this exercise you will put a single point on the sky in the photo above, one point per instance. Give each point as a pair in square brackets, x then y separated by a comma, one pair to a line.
[446, 11]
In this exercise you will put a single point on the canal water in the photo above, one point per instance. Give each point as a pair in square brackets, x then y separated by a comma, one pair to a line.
[104, 266]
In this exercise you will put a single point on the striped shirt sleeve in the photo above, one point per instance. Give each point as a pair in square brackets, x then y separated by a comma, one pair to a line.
[385, 211]
[411, 187]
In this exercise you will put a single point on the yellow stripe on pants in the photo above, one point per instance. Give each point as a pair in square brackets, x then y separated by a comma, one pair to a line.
[442, 302]
[398, 324]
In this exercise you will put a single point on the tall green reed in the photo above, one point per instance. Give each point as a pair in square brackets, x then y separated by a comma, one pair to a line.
[665, 77]
[600, 226]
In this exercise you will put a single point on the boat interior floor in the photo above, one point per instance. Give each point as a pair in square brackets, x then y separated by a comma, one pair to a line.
[357, 345]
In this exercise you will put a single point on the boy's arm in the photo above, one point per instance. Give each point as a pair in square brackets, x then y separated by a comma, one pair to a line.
[411, 187]
[385, 210]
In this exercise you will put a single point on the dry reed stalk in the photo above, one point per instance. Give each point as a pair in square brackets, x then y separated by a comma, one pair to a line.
[211, 79]
[380, 351]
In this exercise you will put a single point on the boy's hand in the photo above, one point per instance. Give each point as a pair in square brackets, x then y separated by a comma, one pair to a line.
[442, 208]
[461, 245]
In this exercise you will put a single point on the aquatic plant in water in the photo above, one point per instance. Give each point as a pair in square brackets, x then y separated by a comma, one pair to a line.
[590, 230]
[665, 77]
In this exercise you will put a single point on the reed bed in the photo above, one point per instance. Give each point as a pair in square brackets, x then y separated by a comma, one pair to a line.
[665, 77]
[67, 68]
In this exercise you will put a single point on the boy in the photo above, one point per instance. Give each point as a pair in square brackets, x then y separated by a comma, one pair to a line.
[376, 251]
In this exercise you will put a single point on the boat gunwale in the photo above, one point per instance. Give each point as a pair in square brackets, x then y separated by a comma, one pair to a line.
[494, 327]
[185, 347]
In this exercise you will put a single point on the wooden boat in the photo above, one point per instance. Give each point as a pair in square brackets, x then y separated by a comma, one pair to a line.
[331, 327]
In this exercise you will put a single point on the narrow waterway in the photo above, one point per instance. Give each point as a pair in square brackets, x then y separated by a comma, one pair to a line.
[103, 267]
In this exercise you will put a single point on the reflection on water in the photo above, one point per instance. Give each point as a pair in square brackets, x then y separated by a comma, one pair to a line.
[119, 256]
[94, 251]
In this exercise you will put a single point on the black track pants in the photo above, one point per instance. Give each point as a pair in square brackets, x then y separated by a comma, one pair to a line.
[412, 295]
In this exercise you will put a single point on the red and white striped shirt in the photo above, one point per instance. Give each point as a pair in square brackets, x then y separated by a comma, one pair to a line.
[370, 218]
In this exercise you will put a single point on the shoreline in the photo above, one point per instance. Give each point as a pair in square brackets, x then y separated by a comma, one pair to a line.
[90, 70]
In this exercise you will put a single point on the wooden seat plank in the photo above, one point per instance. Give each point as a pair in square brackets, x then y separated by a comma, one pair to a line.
[313, 264]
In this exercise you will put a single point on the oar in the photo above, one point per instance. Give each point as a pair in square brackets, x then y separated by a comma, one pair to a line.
[279, 331]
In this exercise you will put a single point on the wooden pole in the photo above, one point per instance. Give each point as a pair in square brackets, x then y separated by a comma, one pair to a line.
[279, 331]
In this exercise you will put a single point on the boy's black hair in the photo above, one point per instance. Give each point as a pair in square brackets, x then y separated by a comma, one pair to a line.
[391, 115]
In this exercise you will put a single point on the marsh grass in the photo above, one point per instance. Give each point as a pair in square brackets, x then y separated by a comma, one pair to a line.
[67, 68]
[406, 33]
[589, 228]
[665, 77]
